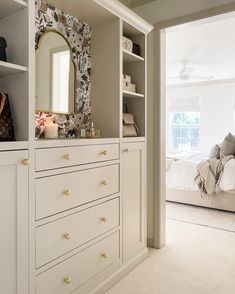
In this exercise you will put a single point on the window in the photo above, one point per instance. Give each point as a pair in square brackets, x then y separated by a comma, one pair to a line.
[184, 131]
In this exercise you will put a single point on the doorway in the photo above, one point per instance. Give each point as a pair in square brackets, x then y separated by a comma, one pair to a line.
[160, 104]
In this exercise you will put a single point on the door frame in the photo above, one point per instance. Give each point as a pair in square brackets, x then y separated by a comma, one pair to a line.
[159, 207]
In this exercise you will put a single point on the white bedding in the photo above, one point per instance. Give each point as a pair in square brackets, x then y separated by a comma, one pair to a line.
[182, 172]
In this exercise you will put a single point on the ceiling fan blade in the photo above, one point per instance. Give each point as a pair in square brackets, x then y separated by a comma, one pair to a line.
[186, 71]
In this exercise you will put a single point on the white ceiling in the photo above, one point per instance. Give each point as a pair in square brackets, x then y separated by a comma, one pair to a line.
[135, 3]
[207, 47]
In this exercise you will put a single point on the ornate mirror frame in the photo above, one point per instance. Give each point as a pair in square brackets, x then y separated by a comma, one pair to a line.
[78, 36]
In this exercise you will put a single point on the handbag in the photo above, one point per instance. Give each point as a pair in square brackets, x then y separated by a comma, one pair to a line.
[129, 127]
[6, 123]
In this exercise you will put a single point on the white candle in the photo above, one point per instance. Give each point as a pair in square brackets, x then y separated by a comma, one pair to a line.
[51, 131]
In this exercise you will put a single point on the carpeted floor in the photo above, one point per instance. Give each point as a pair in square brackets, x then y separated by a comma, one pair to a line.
[202, 216]
[196, 260]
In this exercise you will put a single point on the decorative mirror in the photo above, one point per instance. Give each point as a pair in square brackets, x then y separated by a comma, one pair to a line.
[55, 74]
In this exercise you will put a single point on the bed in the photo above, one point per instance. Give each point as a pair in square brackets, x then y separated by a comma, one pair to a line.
[180, 174]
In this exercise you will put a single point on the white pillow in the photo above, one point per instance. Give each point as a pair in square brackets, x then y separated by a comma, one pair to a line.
[228, 146]
[215, 152]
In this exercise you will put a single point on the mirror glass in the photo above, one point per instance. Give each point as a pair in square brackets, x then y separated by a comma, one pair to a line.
[55, 75]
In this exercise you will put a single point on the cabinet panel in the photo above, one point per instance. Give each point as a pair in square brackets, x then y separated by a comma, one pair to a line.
[134, 199]
[13, 222]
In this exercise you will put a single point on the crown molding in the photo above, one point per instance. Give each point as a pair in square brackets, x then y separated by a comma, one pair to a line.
[126, 14]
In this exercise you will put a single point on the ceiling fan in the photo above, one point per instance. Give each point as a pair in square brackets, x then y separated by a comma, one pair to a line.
[185, 73]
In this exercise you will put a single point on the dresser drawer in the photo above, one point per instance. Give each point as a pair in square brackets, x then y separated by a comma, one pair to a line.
[63, 235]
[67, 276]
[58, 193]
[68, 156]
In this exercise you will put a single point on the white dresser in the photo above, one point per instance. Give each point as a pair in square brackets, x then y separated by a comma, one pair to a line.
[77, 214]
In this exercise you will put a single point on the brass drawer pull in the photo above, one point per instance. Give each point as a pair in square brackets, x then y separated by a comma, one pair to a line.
[104, 255]
[126, 150]
[67, 192]
[104, 219]
[67, 236]
[67, 280]
[105, 152]
[67, 156]
[25, 161]
[104, 183]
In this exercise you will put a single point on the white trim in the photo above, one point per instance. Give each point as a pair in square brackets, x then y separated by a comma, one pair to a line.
[160, 109]
[126, 14]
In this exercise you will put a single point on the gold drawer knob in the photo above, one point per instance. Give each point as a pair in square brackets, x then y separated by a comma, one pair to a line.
[104, 152]
[104, 183]
[67, 236]
[25, 161]
[126, 150]
[67, 280]
[67, 192]
[104, 255]
[104, 219]
[67, 156]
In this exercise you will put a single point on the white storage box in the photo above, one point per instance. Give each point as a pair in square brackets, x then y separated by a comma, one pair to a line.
[126, 79]
[129, 87]
[127, 44]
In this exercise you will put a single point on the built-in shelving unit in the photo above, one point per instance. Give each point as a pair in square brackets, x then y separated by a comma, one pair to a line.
[135, 66]
[9, 7]
[131, 57]
[128, 94]
[7, 68]
[14, 76]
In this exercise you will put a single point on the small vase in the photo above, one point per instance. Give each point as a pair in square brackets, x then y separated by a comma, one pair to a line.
[3, 46]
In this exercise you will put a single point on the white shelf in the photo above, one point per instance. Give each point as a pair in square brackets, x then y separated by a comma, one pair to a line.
[133, 139]
[14, 145]
[7, 68]
[8, 7]
[128, 94]
[131, 57]
[47, 143]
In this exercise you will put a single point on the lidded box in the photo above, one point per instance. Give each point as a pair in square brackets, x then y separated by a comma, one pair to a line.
[126, 78]
[127, 44]
[128, 87]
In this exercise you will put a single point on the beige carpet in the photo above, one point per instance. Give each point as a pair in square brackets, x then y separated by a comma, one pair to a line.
[218, 219]
[196, 260]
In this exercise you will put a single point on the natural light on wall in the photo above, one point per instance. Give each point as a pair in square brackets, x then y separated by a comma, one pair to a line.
[61, 68]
